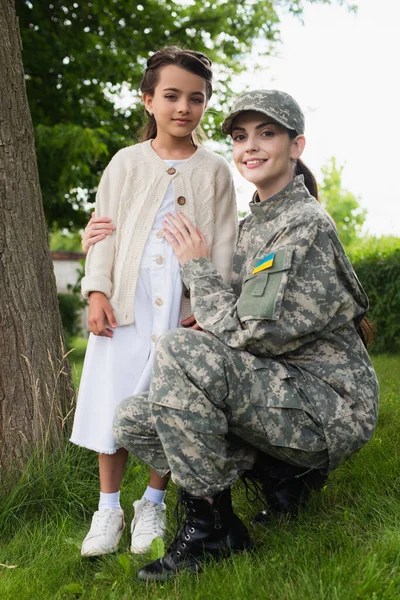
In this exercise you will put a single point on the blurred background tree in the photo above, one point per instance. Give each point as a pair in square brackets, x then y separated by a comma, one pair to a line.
[80, 57]
[342, 205]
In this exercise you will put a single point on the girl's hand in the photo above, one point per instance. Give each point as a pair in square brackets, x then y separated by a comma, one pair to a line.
[191, 323]
[97, 229]
[101, 315]
[186, 241]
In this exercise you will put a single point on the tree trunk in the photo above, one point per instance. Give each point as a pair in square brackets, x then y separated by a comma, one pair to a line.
[35, 381]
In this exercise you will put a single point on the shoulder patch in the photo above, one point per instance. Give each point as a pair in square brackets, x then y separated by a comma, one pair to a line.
[264, 263]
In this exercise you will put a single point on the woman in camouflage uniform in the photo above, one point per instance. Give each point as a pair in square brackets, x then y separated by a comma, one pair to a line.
[279, 364]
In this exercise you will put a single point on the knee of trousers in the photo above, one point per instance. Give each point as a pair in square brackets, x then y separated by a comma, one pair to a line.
[172, 342]
[133, 418]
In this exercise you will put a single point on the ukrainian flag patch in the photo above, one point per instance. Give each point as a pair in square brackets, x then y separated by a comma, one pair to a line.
[264, 263]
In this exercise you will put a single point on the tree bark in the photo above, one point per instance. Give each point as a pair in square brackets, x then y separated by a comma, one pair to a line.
[36, 389]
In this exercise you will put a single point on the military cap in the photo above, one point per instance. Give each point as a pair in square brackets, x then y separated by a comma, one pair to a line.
[281, 107]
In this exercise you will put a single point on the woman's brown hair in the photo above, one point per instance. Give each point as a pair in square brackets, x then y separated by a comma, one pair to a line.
[301, 169]
[194, 62]
[309, 180]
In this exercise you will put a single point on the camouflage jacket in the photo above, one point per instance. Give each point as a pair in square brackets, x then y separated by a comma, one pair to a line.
[295, 297]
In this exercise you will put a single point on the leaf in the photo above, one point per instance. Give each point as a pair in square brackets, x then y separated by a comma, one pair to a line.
[157, 549]
[8, 566]
[103, 576]
[125, 563]
[72, 588]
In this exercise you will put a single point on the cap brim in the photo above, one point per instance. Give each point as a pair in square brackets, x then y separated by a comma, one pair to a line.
[227, 124]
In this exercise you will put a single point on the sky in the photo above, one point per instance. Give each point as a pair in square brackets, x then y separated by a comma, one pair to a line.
[343, 69]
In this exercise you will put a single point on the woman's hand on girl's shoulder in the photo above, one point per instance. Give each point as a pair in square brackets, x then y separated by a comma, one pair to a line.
[96, 230]
[186, 241]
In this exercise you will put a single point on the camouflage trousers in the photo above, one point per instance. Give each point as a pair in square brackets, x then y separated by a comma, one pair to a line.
[202, 392]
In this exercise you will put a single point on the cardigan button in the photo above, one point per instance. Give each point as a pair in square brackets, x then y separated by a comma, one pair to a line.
[160, 234]
[181, 200]
[171, 171]
[187, 294]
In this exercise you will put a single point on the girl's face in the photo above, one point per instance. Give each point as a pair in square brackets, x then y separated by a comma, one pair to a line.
[178, 103]
[263, 152]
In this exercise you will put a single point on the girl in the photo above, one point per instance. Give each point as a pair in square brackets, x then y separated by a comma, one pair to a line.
[279, 364]
[132, 277]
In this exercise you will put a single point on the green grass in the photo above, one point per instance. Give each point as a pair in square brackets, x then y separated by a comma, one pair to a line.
[344, 546]
[76, 356]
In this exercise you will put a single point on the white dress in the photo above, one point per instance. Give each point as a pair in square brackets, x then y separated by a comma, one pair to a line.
[118, 367]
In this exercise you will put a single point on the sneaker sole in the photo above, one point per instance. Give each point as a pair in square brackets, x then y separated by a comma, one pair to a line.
[139, 550]
[99, 553]
[104, 551]
[143, 549]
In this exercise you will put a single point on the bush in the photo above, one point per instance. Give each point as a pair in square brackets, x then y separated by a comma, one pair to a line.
[70, 309]
[377, 264]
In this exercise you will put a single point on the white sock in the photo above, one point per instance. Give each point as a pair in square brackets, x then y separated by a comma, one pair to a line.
[153, 495]
[109, 500]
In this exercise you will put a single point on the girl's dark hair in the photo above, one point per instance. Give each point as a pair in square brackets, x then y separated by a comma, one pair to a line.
[366, 329]
[194, 62]
[301, 169]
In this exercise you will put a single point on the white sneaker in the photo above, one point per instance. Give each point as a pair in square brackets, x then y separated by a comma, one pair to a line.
[148, 523]
[105, 532]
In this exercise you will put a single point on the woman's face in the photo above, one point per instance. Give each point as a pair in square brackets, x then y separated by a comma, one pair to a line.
[263, 152]
[179, 101]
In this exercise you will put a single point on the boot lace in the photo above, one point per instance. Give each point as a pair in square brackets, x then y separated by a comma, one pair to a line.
[185, 523]
[253, 488]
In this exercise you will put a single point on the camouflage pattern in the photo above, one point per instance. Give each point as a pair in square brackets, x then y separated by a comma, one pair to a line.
[281, 107]
[200, 391]
[134, 426]
[279, 364]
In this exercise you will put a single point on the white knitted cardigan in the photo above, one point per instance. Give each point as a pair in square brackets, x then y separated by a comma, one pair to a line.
[131, 191]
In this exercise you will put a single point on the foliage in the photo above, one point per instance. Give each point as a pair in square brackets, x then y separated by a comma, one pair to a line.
[380, 247]
[77, 347]
[377, 264]
[341, 204]
[79, 57]
[344, 545]
[65, 241]
[70, 308]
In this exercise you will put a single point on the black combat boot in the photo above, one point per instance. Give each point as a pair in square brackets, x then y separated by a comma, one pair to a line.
[284, 486]
[209, 530]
